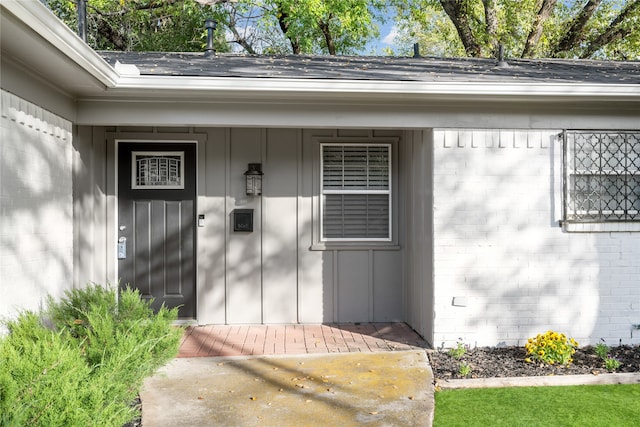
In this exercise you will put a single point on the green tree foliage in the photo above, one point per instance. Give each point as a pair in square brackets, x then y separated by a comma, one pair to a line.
[327, 26]
[526, 28]
[254, 26]
[140, 25]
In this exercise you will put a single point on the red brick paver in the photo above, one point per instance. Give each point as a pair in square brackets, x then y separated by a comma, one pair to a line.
[254, 340]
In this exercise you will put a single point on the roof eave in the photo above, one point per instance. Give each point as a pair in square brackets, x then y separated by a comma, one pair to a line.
[54, 33]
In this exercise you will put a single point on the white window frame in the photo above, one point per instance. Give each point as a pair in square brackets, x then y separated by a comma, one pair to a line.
[388, 192]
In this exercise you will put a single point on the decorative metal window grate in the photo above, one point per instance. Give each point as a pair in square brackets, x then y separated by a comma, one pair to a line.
[356, 192]
[163, 170]
[602, 179]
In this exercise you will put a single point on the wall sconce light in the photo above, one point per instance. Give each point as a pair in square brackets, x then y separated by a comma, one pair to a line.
[254, 179]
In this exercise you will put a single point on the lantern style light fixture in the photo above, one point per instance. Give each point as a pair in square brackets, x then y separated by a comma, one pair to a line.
[254, 179]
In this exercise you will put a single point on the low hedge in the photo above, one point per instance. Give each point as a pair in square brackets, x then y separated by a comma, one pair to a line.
[82, 361]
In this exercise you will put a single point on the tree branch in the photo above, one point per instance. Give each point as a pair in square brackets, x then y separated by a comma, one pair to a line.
[241, 40]
[324, 28]
[454, 9]
[613, 32]
[575, 34]
[284, 26]
[491, 19]
[536, 31]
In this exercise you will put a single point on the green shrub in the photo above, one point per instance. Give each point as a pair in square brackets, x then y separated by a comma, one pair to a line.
[458, 351]
[551, 348]
[611, 363]
[45, 381]
[86, 369]
[602, 350]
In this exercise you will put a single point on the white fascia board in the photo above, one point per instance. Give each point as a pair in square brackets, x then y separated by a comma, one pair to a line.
[44, 23]
[188, 86]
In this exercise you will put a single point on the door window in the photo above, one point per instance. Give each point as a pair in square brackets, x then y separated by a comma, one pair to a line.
[157, 170]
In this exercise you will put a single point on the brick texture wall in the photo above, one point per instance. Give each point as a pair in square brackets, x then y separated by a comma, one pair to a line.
[36, 228]
[504, 270]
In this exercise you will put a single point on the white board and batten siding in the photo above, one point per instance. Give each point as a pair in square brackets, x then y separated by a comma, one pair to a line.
[504, 270]
[271, 275]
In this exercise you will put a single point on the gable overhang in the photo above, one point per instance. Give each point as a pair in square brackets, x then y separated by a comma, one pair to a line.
[41, 45]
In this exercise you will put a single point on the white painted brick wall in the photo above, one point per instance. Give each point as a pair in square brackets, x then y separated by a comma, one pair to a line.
[498, 247]
[36, 228]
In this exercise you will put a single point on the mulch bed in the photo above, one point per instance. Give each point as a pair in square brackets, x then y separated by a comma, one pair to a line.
[486, 362]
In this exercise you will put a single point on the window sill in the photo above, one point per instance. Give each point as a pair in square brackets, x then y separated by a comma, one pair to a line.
[357, 246]
[600, 227]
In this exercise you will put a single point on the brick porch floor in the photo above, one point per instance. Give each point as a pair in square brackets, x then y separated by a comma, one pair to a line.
[248, 340]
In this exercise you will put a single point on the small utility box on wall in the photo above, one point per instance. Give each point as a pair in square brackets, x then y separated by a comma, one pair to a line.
[243, 220]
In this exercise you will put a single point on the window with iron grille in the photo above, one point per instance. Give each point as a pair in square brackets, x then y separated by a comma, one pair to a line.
[356, 192]
[602, 179]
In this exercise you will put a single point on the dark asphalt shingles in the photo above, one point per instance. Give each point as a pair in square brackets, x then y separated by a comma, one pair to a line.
[380, 68]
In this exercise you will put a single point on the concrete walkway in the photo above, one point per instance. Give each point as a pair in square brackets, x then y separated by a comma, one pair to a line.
[294, 375]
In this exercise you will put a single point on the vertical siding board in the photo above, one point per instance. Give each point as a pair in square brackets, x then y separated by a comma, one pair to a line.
[102, 267]
[419, 303]
[387, 288]
[279, 256]
[353, 286]
[244, 269]
[212, 238]
[316, 291]
[83, 206]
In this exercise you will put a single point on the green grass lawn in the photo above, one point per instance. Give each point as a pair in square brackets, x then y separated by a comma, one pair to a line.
[595, 405]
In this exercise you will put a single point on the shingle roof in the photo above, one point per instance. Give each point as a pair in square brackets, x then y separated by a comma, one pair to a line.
[380, 68]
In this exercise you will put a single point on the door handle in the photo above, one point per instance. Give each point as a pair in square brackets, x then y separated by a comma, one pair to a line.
[122, 247]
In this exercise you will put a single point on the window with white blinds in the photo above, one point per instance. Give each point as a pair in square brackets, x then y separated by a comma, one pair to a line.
[356, 192]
